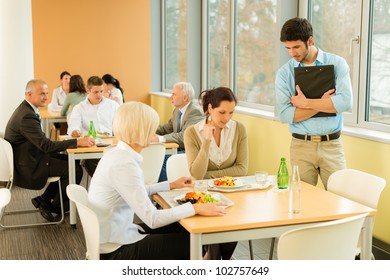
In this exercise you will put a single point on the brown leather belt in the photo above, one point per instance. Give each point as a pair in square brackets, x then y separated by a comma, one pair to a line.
[317, 138]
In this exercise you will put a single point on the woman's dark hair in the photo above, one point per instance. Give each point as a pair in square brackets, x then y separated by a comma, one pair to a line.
[109, 79]
[76, 84]
[65, 73]
[214, 97]
[296, 29]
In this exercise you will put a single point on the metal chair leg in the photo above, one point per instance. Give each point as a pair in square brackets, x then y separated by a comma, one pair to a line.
[250, 249]
[271, 252]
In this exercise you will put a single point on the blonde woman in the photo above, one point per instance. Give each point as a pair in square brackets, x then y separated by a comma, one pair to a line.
[117, 192]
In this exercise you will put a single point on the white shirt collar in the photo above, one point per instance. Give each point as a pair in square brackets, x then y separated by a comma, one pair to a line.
[184, 109]
[124, 146]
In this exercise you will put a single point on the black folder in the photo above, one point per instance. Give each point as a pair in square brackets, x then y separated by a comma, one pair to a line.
[314, 81]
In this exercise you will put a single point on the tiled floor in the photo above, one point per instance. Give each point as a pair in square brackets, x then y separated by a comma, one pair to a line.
[261, 249]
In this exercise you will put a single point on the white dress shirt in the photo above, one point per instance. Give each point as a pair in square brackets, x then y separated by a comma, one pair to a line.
[117, 191]
[57, 99]
[101, 114]
[116, 92]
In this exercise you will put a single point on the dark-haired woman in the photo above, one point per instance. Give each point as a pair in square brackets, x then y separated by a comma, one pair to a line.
[77, 93]
[222, 143]
[112, 88]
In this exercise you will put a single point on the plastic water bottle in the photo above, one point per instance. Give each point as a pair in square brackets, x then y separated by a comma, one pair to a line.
[92, 131]
[295, 191]
[283, 174]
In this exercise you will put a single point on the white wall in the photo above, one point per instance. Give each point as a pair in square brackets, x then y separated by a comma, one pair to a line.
[16, 55]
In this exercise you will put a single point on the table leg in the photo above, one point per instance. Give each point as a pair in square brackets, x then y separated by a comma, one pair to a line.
[366, 239]
[196, 246]
[47, 127]
[72, 180]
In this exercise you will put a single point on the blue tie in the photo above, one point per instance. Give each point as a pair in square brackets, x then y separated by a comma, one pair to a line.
[179, 121]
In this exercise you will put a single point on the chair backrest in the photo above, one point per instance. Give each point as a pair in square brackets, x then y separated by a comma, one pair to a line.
[335, 240]
[358, 186]
[177, 166]
[89, 220]
[152, 163]
[6, 161]
[5, 197]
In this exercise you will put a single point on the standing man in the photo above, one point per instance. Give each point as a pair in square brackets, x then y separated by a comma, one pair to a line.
[36, 157]
[94, 108]
[316, 146]
[184, 115]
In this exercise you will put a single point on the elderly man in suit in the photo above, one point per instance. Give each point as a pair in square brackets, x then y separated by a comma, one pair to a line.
[184, 115]
[36, 157]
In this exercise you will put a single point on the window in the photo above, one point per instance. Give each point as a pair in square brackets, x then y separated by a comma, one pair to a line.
[339, 34]
[219, 43]
[378, 88]
[257, 39]
[175, 42]
[242, 47]
[368, 59]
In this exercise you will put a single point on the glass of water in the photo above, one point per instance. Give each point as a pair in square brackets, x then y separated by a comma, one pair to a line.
[261, 178]
[201, 186]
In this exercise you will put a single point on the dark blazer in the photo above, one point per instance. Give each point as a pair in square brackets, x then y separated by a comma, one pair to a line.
[31, 148]
[192, 115]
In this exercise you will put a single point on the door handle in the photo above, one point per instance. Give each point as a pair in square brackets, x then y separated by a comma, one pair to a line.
[355, 40]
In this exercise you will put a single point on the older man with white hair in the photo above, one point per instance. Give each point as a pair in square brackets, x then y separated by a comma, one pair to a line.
[185, 114]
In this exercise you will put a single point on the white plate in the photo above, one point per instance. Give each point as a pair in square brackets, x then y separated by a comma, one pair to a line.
[103, 135]
[238, 184]
[172, 196]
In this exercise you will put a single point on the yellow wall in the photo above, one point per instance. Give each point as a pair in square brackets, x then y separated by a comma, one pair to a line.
[269, 140]
[94, 37]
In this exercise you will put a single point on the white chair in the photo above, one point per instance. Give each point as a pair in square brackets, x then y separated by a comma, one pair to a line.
[177, 166]
[6, 175]
[334, 240]
[5, 197]
[358, 186]
[152, 163]
[89, 220]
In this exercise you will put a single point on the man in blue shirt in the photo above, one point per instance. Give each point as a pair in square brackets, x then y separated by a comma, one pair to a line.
[316, 146]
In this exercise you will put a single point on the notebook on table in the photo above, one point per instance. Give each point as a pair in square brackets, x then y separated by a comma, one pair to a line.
[314, 81]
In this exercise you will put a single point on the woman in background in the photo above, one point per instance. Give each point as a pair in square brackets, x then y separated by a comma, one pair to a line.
[112, 89]
[221, 143]
[117, 192]
[77, 93]
[60, 92]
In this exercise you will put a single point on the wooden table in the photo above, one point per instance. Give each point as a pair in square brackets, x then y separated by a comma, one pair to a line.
[91, 153]
[49, 117]
[264, 214]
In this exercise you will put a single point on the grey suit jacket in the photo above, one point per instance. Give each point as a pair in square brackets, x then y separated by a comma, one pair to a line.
[31, 148]
[192, 115]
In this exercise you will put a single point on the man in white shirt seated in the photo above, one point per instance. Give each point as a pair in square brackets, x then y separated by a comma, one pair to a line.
[94, 108]
[184, 115]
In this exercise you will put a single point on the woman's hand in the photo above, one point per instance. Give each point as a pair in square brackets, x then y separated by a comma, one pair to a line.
[182, 182]
[208, 131]
[210, 209]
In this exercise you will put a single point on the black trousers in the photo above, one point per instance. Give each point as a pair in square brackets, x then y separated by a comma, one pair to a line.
[171, 242]
[58, 166]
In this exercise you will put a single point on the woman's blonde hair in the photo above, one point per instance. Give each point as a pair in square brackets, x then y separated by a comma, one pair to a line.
[135, 122]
